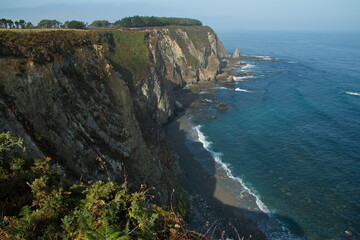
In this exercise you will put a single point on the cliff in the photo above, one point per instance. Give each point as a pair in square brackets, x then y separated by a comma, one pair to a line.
[95, 101]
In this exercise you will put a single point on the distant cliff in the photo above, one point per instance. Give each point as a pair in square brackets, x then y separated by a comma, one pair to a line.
[94, 101]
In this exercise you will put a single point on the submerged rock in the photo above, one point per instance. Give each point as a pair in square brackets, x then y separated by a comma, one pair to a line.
[222, 106]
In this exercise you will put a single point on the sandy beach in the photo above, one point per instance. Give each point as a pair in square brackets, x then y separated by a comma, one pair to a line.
[217, 207]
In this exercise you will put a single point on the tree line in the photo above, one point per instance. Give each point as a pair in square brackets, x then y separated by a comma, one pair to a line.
[44, 24]
[143, 21]
[8, 23]
[135, 21]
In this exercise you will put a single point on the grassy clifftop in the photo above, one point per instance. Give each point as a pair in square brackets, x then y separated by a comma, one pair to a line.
[126, 50]
[40, 46]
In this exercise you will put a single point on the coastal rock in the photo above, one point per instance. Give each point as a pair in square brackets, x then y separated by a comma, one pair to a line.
[229, 81]
[230, 78]
[236, 54]
[222, 106]
[104, 97]
[179, 106]
[89, 101]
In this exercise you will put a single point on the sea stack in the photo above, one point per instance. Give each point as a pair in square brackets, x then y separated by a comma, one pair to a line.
[236, 54]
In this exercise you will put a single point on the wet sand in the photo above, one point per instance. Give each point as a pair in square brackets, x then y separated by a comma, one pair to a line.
[216, 202]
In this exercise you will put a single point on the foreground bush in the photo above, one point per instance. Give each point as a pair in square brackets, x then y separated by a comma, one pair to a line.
[36, 204]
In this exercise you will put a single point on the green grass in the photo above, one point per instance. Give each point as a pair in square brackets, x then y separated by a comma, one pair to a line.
[128, 53]
[40, 46]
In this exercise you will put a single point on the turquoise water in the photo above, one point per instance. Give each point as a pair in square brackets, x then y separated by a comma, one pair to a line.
[292, 133]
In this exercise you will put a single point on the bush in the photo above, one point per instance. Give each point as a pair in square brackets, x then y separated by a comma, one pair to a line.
[51, 209]
[76, 24]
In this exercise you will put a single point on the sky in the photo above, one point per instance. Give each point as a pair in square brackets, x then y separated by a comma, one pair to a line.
[255, 15]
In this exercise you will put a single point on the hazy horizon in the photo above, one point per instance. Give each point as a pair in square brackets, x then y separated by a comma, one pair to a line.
[256, 15]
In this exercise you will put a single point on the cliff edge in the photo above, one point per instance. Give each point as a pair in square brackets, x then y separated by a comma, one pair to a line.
[95, 101]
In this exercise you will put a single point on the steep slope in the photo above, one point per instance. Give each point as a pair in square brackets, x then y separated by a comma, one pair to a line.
[94, 101]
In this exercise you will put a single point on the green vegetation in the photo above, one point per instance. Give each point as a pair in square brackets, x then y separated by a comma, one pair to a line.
[135, 21]
[8, 23]
[76, 24]
[142, 21]
[128, 53]
[100, 24]
[41, 46]
[46, 23]
[36, 204]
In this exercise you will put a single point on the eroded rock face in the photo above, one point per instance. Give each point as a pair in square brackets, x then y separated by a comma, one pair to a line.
[77, 106]
[190, 54]
[236, 54]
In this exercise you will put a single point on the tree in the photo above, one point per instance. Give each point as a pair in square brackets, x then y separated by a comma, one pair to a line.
[76, 24]
[100, 24]
[140, 21]
[10, 23]
[46, 23]
[22, 23]
[65, 25]
[17, 24]
[3, 22]
[29, 25]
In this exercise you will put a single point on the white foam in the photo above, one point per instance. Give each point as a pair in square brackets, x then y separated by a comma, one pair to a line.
[223, 88]
[247, 66]
[266, 58]
[239, 79]
[266, 228]
[353, 93]
[293, 62]
[217, 158]
[242, 90]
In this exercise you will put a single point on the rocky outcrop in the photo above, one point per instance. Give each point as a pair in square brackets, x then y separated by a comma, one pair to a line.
[236, 54]
[95, 101]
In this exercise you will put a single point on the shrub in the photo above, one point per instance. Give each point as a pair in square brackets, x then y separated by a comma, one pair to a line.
[55, 210]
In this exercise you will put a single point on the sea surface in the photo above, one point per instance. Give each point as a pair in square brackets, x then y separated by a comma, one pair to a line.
[292, 133]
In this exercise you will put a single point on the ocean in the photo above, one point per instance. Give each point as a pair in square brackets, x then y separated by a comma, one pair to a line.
[291, 134]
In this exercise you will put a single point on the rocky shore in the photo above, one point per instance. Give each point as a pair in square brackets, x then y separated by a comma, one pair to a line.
[213, 208]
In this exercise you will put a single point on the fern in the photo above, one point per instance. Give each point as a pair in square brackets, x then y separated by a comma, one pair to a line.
[104, 232]
[43, 207]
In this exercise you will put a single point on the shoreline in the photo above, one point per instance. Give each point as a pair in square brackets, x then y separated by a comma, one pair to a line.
[214, 205]
[220, 202]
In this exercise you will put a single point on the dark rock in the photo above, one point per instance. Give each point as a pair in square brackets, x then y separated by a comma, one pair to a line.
[222, 106]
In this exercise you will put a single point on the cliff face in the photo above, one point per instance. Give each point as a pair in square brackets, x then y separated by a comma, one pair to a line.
[95, 101]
